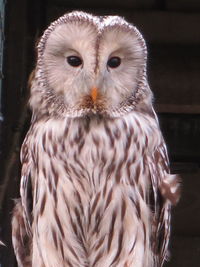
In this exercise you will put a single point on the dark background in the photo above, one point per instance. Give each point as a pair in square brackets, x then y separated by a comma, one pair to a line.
[172, 31]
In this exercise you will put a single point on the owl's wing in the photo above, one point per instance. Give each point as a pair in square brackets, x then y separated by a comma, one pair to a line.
[20, 239]
[26, 185]
[22, 213]
[165, 192]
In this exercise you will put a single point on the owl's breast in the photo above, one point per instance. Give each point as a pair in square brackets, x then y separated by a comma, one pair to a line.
[95, 150]
[94, 181]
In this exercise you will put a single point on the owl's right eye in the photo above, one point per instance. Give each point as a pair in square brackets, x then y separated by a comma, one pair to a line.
[74, 61]
[114, 62]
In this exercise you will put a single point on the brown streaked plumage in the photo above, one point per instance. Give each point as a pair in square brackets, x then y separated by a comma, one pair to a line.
[95, 187]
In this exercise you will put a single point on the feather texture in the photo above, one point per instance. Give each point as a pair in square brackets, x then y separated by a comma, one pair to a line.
[95, 188]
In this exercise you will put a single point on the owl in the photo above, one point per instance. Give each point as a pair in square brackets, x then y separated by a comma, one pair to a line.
[95, 183]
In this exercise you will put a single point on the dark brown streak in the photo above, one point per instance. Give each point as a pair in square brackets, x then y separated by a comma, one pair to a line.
[108, 132]
[138, 124]
[43, 204]
[66, 131]
[138, 146]
[55, 149]
[63, 147]
[103, 160]
[78, 176]
[80, 146]
[111, 230]
[79, 222]
[137, 173]
[55, 197]
[66, 202]
[54, 238]
[74, 226]
[141, 192]
[105, 190]
[123, 209]
[109, 198]
[93, 177]
[59, 223]
[78, 136]
[137, 206]
[124, 124]
[145, 234]
[61, 248]
[50, 136]
[99, 255]
[110, 169]
[80, 202]
[117, 133]
[128, 170]
[44, 172]
[36, 191]
[112, 166]
[95, 140]
[95, 202]
[72, 251]
[128, 142]
[78, 161]
[146, 141]
[120, 241]
[49, 185]
[93, 158]
[70, 265]
[118, 172]
[97, 220]
[67, 170]
[87, 124]
[100, 243]
[44, 141]
[103, 163]
[55, 175]
[133, 245]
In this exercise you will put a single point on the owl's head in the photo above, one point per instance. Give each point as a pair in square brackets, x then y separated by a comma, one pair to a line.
[89, 65]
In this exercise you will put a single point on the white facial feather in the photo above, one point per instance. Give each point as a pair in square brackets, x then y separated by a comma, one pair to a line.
[72, 39]
[120, 83]
[94, 41]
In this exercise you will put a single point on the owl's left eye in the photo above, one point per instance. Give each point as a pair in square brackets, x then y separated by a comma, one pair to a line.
[114, 62]
[74, 61]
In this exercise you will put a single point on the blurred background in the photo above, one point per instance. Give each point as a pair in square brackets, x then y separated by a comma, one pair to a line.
[172, 31]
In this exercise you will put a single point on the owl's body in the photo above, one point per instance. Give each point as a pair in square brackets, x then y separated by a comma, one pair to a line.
[95, 189]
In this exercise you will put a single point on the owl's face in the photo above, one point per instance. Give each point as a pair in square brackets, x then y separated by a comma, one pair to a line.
[92, 64]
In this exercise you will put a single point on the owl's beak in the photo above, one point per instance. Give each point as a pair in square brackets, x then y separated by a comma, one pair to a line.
[94, 93]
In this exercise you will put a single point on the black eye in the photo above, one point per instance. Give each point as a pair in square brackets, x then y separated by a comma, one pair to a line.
[114, 62]
[74, 61]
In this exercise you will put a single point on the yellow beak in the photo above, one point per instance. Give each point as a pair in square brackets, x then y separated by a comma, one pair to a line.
[94, 93]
